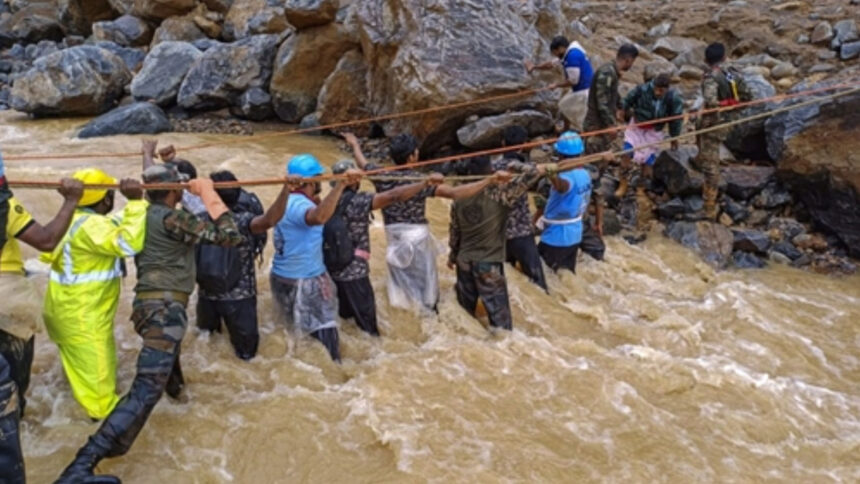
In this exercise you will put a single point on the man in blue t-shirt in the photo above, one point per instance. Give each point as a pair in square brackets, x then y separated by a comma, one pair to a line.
[568, 201]
[304, 294]
[578, 72]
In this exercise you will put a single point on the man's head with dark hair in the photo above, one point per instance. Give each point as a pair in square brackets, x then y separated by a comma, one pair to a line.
[661, 85]
[715, 54]
[480, 165]
[558, 46]
[626, 56]
[404, 147]
[186, 168]
[230, 196]
[514, 135]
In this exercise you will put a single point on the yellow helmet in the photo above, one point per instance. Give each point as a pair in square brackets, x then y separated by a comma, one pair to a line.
[93, 176]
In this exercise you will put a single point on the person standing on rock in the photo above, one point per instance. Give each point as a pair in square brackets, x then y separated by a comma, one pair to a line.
[720, 88]
[520, 247]
[604, 101]
[476, 237]
[165, 281]
[578, 74]
[17, 323]
[411, 255]
[652, 100]
[354, 290]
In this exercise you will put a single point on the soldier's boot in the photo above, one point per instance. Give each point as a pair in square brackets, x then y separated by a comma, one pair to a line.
[644, 210]
[175, 382]
[623, 185]
[80, 471]
[709, 194]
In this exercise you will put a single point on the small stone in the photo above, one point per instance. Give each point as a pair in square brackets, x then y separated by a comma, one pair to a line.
[822, 33]
[826, 55]
[725, 220]
[771, 197]
[822, 67]
[787, 249]
[802, 39]
[691, 73]
[783, 70]
[849, 50]
[751, 240]
[756, 71]
[660, 30]
[758, 217]
[580, 29]
[745, 260]
[671, 208]
[802, 261]
[737, 211]
[810, 242]
[844, 31]
[778, 258]
[788, 228]
[694, 204]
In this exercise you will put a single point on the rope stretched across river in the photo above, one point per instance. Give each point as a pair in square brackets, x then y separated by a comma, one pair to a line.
[564, 165]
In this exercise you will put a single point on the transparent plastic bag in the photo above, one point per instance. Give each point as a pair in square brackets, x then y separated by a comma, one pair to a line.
[412, 276]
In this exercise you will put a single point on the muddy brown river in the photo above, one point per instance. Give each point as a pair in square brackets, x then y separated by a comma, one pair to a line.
[648, 367]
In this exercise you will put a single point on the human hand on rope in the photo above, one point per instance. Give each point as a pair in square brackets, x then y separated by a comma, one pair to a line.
[72, 190]
[131, 189]
[148, 146]
[353, 176]
[293, 182]
[501, 177]
[205, 189]
[435, 179]
[168, 153]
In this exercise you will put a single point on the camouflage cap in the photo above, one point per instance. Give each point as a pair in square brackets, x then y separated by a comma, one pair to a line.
[165, 173]
[343, 166]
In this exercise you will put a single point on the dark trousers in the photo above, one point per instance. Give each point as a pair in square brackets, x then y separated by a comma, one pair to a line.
[523, 251]
[239, 316]
[485, 280]
[161, 323]
[356, 301]
[11, 457]
[592, 244]
[331, 340]
[558, 258]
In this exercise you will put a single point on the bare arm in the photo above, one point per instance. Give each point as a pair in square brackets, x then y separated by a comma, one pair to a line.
[463, 191]
[559, 184]
[148, 151]
[261, 223]
[45, 238]
[353, 143]
[543, 66]
[399, 194]
[321, 214]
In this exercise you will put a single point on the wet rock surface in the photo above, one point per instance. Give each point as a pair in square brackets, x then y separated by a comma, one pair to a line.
[163, 72]
[136, 118]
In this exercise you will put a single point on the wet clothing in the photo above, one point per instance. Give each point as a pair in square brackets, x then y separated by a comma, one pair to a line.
[522, 252]
[167, 261]
[246, 287]
[357, 214]
[577, 67]
[159, 317]
[646, 106]
[603, 102]
[298, 246]
[592, 244]
[309, 305]
[565, 210]
[478, 224]
[558, 258]
[519, 222]
[412, 275]
[193, 204]
[485, 280]
[411, 211]
[240, 317]
[357, 301]
[83, 296]
[18, 221]
[11, 456]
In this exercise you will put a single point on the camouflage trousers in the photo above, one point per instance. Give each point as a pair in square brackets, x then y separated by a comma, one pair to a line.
[161, 323]
[485, 280]
[708, 160]
[11, 457]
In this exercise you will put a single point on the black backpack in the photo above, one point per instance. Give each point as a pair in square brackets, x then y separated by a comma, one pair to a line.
[248, 202]
[338, 249]
[218, 268]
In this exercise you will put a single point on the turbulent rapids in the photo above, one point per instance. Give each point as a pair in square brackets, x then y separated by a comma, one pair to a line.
[649, 366]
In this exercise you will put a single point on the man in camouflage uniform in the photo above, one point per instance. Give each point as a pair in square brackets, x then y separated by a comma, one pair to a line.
[604, 101]
[476, 237]
[354, 290]
[520, 247]
[166, 277]
[720, 88]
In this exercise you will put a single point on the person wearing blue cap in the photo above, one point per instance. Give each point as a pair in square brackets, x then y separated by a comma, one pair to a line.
[305, 295]
[566, 206]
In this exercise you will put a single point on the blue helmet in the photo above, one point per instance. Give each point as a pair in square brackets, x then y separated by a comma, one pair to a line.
[305, 166]
[569, 144]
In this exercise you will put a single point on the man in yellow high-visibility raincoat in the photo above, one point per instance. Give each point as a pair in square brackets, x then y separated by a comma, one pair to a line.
[83, 294]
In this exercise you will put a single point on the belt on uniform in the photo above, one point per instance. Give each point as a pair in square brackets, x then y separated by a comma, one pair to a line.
[179, 297]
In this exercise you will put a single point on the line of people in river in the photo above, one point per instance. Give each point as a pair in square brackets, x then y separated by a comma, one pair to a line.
[322, 249]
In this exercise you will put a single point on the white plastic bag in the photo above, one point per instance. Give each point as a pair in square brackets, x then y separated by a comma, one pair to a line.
[412, 277]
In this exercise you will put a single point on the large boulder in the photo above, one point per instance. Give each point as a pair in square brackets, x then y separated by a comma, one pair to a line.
[254, 17]
[818, 156]
[82, 80]
[487, 132]
[303, 64]
[449, 53]
[671, 47]
[747, 140]
[127, 30]
[136, 118]
[219, 76]
[712, 242]
[743, 182]
[163, 71]
[181, 29]
[751, 240]
[343, 96]
[304, 14]
[78, 16]
[254, 104]
[31, 24]
[131, 56]
[674, 171]
[162, 9]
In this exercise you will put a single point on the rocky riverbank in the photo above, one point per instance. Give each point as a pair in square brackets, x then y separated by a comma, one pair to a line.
[147, 66]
